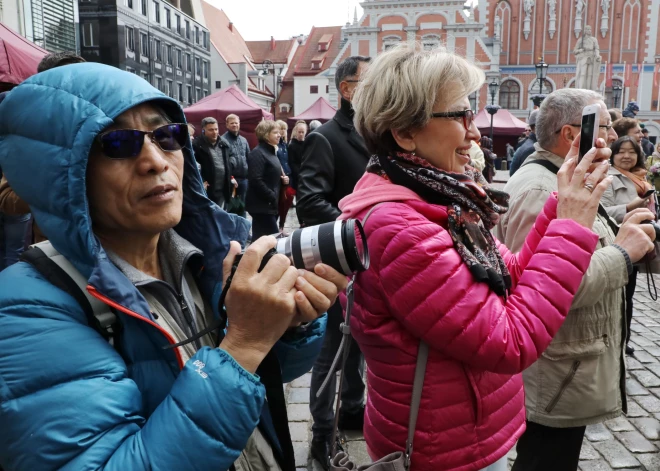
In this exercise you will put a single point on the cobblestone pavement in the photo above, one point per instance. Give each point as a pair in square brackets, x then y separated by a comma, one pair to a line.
[629, 442]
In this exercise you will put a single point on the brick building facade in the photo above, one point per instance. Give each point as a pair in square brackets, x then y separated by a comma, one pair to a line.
[507, 37]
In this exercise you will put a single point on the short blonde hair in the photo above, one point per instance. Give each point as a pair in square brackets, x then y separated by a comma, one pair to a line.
[282, 124]
[264, 128]
[401, 87]
[232, 116]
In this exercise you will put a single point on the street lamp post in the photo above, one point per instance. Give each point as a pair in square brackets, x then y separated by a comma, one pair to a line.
[616, 94]
[492, 108]
[267, 64]
[541, 74]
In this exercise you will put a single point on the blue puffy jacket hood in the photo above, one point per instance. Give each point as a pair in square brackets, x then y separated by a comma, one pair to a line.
[47, 127]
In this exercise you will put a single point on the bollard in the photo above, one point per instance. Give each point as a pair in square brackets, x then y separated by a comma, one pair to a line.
[504, 165]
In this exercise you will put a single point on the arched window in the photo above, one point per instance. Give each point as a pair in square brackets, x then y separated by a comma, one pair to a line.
[430, 42]
[510, 95]
[609, 96]
[390, 41]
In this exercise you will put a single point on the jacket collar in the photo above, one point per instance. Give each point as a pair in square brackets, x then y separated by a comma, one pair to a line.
[344, 118]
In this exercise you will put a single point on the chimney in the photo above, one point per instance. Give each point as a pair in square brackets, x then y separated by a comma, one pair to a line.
[231, 26]
[272, 43]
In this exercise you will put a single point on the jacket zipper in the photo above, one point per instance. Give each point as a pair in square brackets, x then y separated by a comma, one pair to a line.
[564, 385]
[93, 291]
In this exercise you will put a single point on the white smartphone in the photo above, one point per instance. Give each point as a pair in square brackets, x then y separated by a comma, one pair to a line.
[588, 132]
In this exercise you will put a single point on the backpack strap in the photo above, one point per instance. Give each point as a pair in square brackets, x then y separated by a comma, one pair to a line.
[61, 273]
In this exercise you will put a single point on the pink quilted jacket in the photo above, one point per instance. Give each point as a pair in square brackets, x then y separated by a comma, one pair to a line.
[472, 408]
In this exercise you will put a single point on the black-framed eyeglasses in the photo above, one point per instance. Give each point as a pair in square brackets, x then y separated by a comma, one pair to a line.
[467, 115]
[127, 143]
[606, 127]
[352, 81]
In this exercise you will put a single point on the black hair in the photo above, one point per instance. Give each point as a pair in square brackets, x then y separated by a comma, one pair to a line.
[348, 68]
[58, 59]
[616, 147]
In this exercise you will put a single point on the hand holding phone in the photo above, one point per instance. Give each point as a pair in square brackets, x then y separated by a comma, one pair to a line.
[588, 131]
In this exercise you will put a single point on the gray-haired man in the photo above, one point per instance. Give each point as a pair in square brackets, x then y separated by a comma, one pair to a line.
[212, 153]
[580, 379]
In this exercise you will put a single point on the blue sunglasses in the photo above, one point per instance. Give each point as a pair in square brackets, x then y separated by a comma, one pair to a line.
[127, 143]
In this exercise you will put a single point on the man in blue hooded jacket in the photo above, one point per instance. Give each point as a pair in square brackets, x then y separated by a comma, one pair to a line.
[110, 178]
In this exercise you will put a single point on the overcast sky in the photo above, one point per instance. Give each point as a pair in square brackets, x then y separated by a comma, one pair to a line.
[260, 19]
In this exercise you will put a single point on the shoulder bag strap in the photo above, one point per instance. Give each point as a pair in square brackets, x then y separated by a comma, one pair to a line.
[61, 273]
[418, 386]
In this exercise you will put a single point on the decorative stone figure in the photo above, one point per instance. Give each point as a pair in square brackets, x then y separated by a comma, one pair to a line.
[587, 54]
[579, 6]
[527, 6]
[605, 19]
[552, 18]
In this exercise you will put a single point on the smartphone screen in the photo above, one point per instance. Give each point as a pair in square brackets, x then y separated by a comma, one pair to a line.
[587, 133]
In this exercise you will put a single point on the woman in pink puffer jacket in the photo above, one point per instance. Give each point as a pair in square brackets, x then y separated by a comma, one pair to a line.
[438, 275]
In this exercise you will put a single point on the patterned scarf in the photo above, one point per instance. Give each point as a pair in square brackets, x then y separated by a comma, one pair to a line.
[473, 210]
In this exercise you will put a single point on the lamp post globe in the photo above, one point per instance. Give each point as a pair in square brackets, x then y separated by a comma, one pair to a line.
[492, 88]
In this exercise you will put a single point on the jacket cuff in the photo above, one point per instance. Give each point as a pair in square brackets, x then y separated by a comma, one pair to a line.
[629, 265]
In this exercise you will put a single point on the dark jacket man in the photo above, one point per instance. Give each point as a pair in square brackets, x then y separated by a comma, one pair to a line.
[218, 191]
[334, 159]
[525, 150]
[264, 180]
[239, 150]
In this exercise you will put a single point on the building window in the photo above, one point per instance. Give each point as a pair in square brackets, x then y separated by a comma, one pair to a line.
[196, 34]
[159, 83]
[473, 101]
[145, 76]
[188, 63]
[327, 89]
[144, 7]
[187, 23]
[206, 70]
[189, 91]
[179, 87]
[168, 18]
[159, 53]
[313, 89]
[91, 34]
[169, 55]
[179, 59]
[218, 84]
[170, 89]
[128, 3]
[157, 12]
[177, 21]
[130, 70]
[205, 40]
[430, 42]
[144, 44]
[510, 95]
[198, 94]
[609, 98]
[130, 39]
[206, 93]
[390, 42]
[198, 66]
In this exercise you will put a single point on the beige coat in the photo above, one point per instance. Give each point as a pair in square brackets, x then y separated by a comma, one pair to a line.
[580, 378]
[621, 192]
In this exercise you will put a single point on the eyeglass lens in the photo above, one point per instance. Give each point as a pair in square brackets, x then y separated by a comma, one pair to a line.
[127, 143]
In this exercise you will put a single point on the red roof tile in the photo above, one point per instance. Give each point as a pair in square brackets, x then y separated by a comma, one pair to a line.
[225, 37]
[302, 61]
[262, 50]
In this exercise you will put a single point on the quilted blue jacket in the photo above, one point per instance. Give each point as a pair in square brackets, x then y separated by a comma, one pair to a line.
[68, 399]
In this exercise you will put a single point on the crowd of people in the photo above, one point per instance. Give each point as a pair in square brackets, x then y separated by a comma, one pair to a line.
[130, 339]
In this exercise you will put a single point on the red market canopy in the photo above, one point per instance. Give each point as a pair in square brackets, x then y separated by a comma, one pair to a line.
[320, 110]
[18, 57]
[504, 123]
[230, 100]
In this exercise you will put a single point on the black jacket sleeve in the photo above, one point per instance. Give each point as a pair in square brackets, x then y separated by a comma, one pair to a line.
[316, 181]
[202, 158]
[256, 181]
